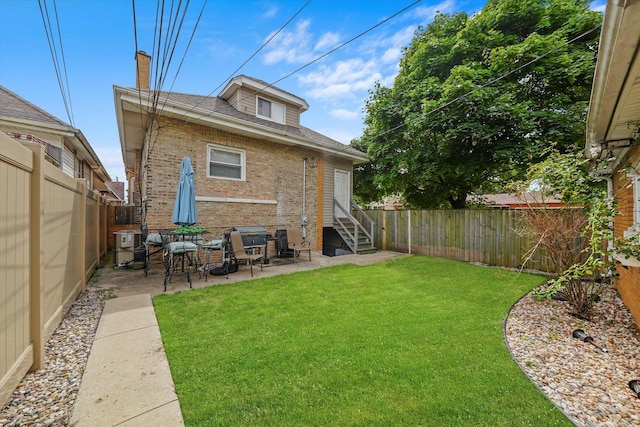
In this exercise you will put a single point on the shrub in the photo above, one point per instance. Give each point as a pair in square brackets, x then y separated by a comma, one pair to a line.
[576, 236]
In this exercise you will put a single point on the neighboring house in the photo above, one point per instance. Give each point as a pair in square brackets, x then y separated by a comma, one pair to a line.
[65, 146]
[254, 163]
[613, 128]
[114, 192]
[388, 203]
[511, 201]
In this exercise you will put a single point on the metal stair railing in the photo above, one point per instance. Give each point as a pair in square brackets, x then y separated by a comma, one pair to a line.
[368, 220]
[357, 227]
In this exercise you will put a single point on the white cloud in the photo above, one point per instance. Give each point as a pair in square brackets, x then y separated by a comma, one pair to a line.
[327, 41]
[341, 135]
[297, 46]
[342, 79]
[343, 114]
[271, 11]
[290, 46]
[426, 13]
[599, 6]
[391, 55]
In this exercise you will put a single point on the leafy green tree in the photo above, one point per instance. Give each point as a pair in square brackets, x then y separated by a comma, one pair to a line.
[479, 98]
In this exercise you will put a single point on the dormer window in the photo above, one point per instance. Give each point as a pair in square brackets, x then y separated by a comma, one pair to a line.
[270, 110]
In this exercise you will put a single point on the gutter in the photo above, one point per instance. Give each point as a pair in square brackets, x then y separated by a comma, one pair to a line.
[608, 37]
[233, 124]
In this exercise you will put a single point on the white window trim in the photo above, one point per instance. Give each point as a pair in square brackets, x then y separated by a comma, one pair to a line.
[636, 198]
[243, 162]
[284, 110]
[635, 183]
[629, 232]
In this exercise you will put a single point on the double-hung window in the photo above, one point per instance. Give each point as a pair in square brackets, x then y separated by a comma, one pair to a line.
[271, 110]
[226, 163]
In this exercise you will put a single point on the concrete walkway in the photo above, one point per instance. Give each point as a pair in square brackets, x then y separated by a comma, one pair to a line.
[127, 381]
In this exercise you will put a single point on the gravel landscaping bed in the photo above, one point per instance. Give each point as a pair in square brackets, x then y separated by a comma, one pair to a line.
[46, 397]
[589, 385]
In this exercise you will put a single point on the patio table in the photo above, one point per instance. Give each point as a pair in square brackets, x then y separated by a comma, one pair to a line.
[179, 249]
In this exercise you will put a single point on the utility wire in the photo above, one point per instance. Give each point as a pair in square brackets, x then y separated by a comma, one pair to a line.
[170, 43]
[248, 59]
[324, 55]
[193, 32]
[260, 48]
[188, 45]
[64, 65]
[66, 97]
[490, 82]
[343, 44]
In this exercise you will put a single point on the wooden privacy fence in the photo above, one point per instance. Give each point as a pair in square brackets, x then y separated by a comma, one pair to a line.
[488, 236]
[52, 235]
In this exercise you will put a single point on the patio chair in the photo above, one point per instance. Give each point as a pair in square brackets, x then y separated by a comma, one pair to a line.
[240, 253]
[176, 254]
[221, 245]
[152, 245]
[296, 244]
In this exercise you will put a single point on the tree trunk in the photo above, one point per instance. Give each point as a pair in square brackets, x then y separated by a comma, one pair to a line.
[458, 203]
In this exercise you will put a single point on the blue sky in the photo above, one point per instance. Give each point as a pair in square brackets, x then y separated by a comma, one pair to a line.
[98, 42]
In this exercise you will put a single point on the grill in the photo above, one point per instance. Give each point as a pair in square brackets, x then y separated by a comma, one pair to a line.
[253, 235]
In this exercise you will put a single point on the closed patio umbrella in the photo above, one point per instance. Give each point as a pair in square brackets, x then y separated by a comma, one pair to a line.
[184, 209]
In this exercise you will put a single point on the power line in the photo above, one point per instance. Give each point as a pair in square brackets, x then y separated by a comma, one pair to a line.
[249, 59]
[345, 43]
[193, 32]
[60, 71]
[324, 55]
[490, 82]
[189, 44]
[260, 48]
[64, 65]
[346, 147]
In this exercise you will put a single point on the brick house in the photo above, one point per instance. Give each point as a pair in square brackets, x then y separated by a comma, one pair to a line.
[65, 146]
[254, 163]
[613, 128]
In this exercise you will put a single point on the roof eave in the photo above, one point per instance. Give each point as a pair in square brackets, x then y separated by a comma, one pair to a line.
[260, 87]
[617, 68]
[228, 123]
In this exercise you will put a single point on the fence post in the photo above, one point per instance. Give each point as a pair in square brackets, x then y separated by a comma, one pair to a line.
[409, 231]
[82, 232]
[96, 225]
[384, 230]
[35, 256]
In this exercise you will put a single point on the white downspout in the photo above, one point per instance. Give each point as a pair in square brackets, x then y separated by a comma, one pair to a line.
[304, 198]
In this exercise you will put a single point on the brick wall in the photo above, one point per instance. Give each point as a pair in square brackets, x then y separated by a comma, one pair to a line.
[628, 282]
[274, 175]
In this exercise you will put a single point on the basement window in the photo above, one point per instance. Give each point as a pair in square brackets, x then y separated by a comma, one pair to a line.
[270, 110]
[226, 163]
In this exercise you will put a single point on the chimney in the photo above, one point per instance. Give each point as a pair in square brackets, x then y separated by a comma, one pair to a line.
[143, 62]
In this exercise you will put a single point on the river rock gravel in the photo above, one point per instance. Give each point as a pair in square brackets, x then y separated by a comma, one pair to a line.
[589, 384]
[46, 397]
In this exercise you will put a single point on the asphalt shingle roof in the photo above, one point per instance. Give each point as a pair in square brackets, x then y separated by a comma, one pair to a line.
[214, 104]
[14, 106]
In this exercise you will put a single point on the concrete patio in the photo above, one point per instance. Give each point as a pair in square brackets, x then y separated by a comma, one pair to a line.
[127, 380]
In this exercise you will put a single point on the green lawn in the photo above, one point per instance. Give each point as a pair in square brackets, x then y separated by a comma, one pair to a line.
[411, 341]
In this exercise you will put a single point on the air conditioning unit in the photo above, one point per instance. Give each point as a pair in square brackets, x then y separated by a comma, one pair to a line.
[126, 241]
